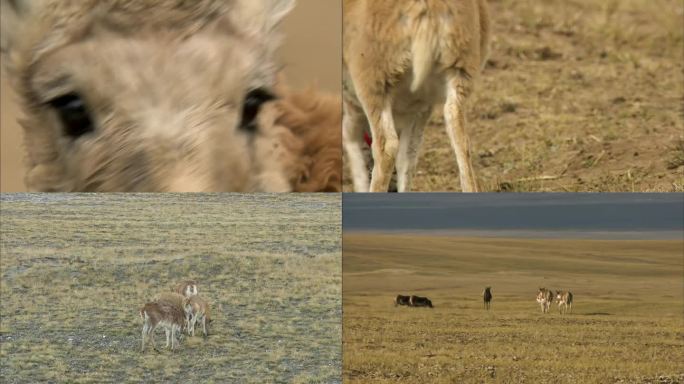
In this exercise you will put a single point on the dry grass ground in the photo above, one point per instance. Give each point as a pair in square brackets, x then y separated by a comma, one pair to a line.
[77, 268]
[580, 95]
[626, 325]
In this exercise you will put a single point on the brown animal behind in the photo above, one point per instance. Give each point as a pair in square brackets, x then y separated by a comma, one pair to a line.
[171, 298]
[401, 57]
[186, 288]
[314, 120]
[197, 308]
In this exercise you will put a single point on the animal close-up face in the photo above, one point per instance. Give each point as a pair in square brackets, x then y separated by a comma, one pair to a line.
[162, 95]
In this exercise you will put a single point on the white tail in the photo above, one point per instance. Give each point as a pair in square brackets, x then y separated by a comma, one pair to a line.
[423, 52]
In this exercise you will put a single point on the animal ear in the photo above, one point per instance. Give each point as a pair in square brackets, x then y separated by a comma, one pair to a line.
[12, 15]
[261, 17]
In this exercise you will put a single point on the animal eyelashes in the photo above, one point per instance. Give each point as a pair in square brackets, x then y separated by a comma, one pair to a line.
[164, 96]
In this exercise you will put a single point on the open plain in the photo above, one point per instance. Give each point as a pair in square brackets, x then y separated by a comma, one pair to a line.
[77, 268]
[626, 325]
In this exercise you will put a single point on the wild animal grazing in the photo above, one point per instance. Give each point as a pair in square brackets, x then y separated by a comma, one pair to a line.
[186, 288]
[164, 96]
[402, 57]
[402, 300]
[487, 297]
[545, 298]
[168, 316]
[198, 310]
[564, 299]
[418, 301]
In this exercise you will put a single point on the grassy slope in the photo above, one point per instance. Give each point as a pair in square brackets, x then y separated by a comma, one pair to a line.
[626, 323]
[587, 92]
[75, 273]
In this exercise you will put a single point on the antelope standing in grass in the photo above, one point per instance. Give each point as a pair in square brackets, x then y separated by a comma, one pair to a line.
[162, 314]
[545, 298]
[487, 297]
[564, 299]
[198, 310]
[402, 57]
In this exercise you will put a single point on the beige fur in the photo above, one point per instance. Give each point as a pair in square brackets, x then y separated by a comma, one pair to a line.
[164, 82]
[564, 299]
[197, 309]
[400, 58]
[186, 288]
[170, 298]
[169, 317]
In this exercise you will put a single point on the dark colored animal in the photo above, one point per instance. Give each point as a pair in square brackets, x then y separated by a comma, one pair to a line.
[487, 297]
[417, 301]
[402, 300]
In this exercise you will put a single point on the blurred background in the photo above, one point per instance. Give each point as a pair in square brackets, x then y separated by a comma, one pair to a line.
[311, 55]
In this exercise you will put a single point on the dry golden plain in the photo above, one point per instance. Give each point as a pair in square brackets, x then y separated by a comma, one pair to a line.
[626, 325]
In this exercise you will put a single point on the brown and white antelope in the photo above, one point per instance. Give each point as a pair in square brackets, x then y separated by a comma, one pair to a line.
[186, 288]
[545, 298]
[197, 309]
[166, 315]
[564, 299]
[402, 57]
[487, 297]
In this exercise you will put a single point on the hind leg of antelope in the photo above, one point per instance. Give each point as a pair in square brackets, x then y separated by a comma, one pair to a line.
[459, 85]
[354, 125]
[410, 130]
[174, 341]
[204, 326]
[192, 324]
[150, 337]
[144, 331]
[378, 109]
[166, 331]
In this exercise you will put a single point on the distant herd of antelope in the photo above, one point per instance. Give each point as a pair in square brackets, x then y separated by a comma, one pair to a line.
[175, 311]
[545, 298]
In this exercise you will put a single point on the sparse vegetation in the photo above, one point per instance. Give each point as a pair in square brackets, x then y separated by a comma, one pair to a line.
[77, 268]
[625, 327]
[581, 95]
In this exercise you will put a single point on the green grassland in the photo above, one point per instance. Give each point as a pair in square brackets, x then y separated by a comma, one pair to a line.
[77, 268]
[578, 95]
[626, 325]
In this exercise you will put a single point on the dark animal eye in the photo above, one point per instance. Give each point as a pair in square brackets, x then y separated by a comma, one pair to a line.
[253, 101]
[73, 114]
